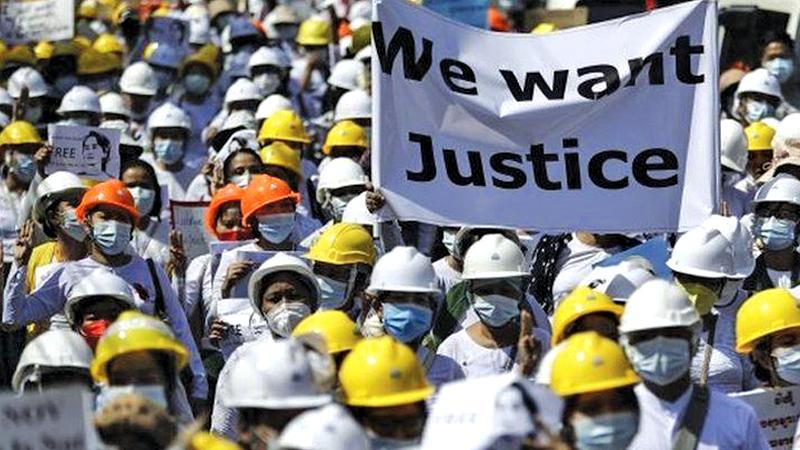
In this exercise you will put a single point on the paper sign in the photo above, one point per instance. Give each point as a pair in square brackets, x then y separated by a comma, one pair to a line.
[573, 130]
[244, 324]
[777, 411]
[55, 419]
[169, 31]
[28, 21]
[470, 12]
[88, 152]
[189, 219]
[655, 251]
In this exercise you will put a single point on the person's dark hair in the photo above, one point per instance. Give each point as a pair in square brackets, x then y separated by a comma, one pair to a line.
[138, 163]
[776, 36]
[103, 142]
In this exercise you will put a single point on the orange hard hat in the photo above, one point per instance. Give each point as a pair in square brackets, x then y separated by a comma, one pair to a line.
[265, 190]
[112, 193]
[228, 194]
[497, 20]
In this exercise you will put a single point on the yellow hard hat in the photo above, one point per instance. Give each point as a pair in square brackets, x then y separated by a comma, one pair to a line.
[280, 154]
[92, 62]
[765, 313]
[21, 54]
[381, 372]
[345, 134]
[581, 302]
[19, 132]
[44, 50]
[589, 362]
[284, 125]
[336, 328]
[343, 243]
[3, 50]
[134, 331]
[88, 9]
[82, 43]
[544, 28]
[314, 31]
[108, 43]
[205, 56]
[204, 440]
[759, 136]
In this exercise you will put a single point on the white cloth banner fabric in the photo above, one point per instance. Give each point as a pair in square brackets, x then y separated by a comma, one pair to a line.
[612, 127]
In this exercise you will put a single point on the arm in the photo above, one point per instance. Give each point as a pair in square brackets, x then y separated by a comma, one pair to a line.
[20, 309]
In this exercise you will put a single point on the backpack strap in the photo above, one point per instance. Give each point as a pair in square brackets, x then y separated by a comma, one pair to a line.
[160, 308]
[693, 420]
[456, 305]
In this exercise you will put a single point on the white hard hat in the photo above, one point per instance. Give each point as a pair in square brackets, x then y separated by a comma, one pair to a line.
[268, 56]
[112, 103]
[621, 280]
[241, 90]
[282, 14]
[99, 283]
[347, 74]
[239, 140]
[328, 428]
[79, 99]
[5, 98]
[271, 105]
[761, 81]
[741, 242]
[782, 188]
[356, 212]
[733, 143]
[53, 349]
[339, 173]
[281, 262]
[53, 188]
[25, 77]
[356, 104]
[360, 9]
[139, 79]
[364, 55]
[787, 136]
[272, 375]
[169, 115]
[703, 252]
[494, 256]
[403, 269]
[658, 304]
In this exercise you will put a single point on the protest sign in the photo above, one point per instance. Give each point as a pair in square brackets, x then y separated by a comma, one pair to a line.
[170, 31]
[88, 152]
[470, 12]
[189, 219]
[55, 419]
[777, 411]
[611, 128]
[655, 251]
[244, 325]
[26, 21]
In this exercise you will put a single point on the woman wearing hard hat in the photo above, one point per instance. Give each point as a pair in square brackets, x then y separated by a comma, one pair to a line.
[168, 132]
[95, 303]
[596, 381]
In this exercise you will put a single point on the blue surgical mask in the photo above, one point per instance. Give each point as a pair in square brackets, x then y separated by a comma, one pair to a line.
[72, 227]
[275, 228]
[756, 110]
[787, 363]
[660, 360]
[144, 199]
[169, 151]
[111, 236]
[495, 310]
[406, 321]
[23, 166]
[606, 431]
[775, 234]
[332, 293]
[155, 393]
[196, 83]
[781, 68]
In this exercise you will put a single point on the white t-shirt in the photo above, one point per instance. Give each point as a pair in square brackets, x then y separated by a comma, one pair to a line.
[728, 371]
[10, 213]
[176, 182]
[152, 242]
[730, 424]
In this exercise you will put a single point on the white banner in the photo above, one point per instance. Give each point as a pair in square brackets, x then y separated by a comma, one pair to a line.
[611, 127]
[777, 411]
[89, 152]
[25, 21]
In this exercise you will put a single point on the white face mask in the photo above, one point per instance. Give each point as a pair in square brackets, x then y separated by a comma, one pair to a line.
[241, 180]
[336, 206]
[267, 83]
[284, 316]
[787, 363]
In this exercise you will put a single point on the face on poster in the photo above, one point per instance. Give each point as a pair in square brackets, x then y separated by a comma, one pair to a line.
[88, 152]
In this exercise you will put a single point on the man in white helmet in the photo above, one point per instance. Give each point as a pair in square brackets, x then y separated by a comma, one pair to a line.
[256, 400]
[659, 332]
[757, 97]
[496, 281]
[27, 79]
[776, 209]
[55, 359]
[168, 131]
[704, 262]
[269, 70]
[733, 154]
[80, 106]
[138, 87]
